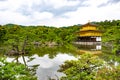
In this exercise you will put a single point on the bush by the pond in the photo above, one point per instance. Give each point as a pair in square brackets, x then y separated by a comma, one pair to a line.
[14, 71]
[89, 67]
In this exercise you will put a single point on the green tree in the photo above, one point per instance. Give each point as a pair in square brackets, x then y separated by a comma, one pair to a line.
[2, 33]
[111, 33]
[89, 67]
[111, 73]
[14, 71]
[82, 69]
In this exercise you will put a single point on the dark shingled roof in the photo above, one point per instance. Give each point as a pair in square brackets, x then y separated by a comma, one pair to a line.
[90, 24]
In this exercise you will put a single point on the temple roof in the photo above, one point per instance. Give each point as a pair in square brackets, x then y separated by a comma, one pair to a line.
[90, 30]
[89, 24]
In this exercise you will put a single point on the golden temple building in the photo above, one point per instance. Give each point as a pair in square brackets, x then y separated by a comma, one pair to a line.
[89, 33]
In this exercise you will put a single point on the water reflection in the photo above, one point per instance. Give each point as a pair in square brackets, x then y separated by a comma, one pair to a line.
[98, 47]
[45, 61]
[47, 67]
[89, 47]
[49, 59]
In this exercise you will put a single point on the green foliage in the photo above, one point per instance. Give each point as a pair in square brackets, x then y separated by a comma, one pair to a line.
[111, 33]
[82, 69]
[39, 33]
[14, 71]
[15, 34]
[112, 73]
[89, 67]
[2, 33]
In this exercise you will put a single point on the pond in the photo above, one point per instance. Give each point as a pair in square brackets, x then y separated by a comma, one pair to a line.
[46, 60]
[47, 67]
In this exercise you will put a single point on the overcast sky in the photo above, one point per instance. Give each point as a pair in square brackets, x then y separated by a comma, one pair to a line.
[57, 12]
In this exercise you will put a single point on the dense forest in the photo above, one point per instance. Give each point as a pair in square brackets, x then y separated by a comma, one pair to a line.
[21, 39]
[16, 35]
[111, 34]
[12, 34]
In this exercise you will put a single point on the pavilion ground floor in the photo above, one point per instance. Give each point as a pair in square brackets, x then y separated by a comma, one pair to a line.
[88, 40]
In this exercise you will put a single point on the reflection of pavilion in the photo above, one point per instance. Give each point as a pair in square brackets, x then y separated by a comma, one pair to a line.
[89, 35]
[89, 47]
[93, 49]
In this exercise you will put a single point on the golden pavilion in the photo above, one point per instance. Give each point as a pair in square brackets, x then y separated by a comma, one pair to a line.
[89, 33]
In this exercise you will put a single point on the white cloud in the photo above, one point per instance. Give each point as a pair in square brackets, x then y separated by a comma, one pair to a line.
[82, 15]
[42, 15]
[61, 3]
[95, 2]
[57, 12]
[12, 17]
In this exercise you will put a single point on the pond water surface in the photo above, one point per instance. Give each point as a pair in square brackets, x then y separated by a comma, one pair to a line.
[48, 60]
[47, 67]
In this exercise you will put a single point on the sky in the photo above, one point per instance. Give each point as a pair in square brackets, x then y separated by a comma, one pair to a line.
[57, 12]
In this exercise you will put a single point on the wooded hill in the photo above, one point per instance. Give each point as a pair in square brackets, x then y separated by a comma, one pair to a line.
[15, 34]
